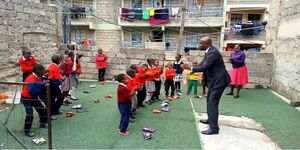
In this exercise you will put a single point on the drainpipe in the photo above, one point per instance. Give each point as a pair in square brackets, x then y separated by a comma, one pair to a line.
[223, 26]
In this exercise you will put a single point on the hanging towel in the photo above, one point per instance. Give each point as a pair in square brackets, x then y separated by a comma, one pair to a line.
[138, 14]
[165, 13]
[131, 14]
[175, 11]
[158, 14]
[146, 14]
[152, 12]
[125, 12]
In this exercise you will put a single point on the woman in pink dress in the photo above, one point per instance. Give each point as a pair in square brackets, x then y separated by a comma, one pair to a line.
[239, 72]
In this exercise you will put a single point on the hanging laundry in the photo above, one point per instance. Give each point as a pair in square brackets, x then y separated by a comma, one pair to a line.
[151, 12]
[238, 28]
[85, 43]
[146, 14]
[157, 14]
[138, 14]
[165, 13]
[131, 14]
[175, 11]
[125, 12]
[154, 21]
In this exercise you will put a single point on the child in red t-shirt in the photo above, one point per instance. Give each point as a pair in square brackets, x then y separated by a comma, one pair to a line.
[157, 79]
[150, 85]
[27, 62]
[141, 81]
[55, 78]
[30, 102]
[124, 103]
[169, 79]
[132, 86]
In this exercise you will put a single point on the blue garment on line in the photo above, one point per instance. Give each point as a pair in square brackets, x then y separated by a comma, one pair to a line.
[138, 14]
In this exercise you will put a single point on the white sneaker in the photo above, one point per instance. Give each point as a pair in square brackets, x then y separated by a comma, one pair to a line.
[74, 98]
[178, 93]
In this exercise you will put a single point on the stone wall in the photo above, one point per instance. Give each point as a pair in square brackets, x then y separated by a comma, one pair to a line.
[118, 61]
[283, 39]
[24, 23]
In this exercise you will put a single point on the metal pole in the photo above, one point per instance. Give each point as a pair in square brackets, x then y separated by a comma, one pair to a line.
[49, 116]
[183, 9]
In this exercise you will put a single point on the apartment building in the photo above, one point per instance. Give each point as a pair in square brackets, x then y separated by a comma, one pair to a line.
[245, 24]
[115, 24]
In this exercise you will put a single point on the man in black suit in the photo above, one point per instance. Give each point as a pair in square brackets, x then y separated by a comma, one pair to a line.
[217, 79]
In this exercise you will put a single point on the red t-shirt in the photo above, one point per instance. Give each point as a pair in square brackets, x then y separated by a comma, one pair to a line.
[25, 91]
[151, 74]
[131, 85]
[124, 94]
[100, 60]
[170, 74]
[54, 72]
[141, 77]
[158, 73]
[27, 64]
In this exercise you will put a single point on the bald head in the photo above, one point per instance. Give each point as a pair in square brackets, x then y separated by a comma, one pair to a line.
[205, 43]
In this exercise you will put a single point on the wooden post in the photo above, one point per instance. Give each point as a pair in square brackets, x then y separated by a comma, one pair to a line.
[49, 116]
[183, 12]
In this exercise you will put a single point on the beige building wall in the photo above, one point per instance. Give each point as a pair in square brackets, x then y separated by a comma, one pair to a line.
[283, 40]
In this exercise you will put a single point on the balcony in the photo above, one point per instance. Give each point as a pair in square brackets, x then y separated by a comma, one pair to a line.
[238, 2]
[82, 16]
[245, 32]
[168, 46]
[194, 18]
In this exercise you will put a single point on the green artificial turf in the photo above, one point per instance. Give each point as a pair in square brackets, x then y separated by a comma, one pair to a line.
[281, 121]
[98, 128]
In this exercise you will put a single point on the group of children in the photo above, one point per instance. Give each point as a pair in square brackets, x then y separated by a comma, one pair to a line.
[62, 75]
[142, 85]
[139, 86]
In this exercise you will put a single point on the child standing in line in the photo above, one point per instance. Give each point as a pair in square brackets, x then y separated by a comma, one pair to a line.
[72, 64]
[55, 78]
[132, 86]
[157, 79]
[65, 69]
[169, 80]
[124, 103]
[178, 78]
[27, 62]
[150, 85]
[141, 80]
[193, 81]
[30, 102]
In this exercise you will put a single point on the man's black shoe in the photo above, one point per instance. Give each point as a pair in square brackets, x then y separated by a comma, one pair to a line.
[29, 134]
[210, 132]
[204, 121]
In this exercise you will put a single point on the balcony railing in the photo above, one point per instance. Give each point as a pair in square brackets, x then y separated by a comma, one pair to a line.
[205, 12]
[168, 46]
[132, 44]
[81, 12]
[135, 16]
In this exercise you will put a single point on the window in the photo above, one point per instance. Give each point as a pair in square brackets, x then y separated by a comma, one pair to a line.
[156, 36]
[136, 38]
[236, 18]
[80, 35]
[192, 40]
[158, 3]
[137, 3]
[254, 17]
